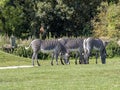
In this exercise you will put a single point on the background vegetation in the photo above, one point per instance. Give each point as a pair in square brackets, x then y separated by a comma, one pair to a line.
[23, 18]
[70, 18]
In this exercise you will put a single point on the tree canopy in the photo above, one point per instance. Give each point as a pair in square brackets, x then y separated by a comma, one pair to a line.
[23, 18]
[107, 22]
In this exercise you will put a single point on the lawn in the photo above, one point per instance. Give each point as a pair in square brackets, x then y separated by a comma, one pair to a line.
[12, 60]
[59, 77]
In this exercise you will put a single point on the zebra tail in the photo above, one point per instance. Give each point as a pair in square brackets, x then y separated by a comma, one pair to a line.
[28, 47]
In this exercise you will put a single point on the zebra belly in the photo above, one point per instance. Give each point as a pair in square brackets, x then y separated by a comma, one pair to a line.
[96, 48]
[73, 50]
[47, 51]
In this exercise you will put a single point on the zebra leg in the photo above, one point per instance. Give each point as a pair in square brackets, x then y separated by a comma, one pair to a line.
[56, 57]
[81, 61]
[96, 57]
[37, 59]
[76, 57]
[88, 59]
[88, 55]
[52, 59]
[85, 58]
[103, 56]
[61, 59]
[33, 58]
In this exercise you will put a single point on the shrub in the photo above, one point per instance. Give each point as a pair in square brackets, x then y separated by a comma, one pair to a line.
[113, 49]
[21, 51]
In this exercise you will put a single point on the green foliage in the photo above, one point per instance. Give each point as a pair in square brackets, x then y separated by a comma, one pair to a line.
[15, 17]
[22, 52]
[23, 18]
[3, 2]
[10, 16]
[113, 49]
[106, 23]
[55, 15]
[68, 17]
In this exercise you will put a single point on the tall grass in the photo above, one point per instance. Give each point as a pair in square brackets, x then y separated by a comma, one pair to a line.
[4, 40]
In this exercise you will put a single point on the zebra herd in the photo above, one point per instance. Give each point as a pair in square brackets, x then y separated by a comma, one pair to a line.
[64, 46]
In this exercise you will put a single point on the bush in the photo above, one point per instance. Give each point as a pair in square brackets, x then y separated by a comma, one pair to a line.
[22, 52]
[113, 49]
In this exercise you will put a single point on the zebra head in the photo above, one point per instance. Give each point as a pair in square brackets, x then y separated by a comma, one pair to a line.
[86, 58]
[66, 58]
[103, 56]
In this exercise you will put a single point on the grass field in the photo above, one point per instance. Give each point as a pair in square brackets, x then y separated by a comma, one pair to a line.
[59, 77]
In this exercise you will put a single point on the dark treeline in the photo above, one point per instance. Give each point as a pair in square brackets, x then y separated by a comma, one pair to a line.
[23, 18]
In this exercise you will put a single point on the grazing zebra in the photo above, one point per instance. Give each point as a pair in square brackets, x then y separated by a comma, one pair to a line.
[74, 45]
[48, 46]
[89, 44]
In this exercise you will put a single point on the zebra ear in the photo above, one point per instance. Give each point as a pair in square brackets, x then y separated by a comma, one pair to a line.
[105, 43]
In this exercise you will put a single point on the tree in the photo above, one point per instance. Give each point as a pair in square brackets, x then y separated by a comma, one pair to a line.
[23, 18]
[17, 17]
[106, 23]
[54, 15]
[10, 17]
[68, 17]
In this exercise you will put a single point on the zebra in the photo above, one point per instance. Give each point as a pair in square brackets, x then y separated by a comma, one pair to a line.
[48, 46]
[74, 45]
[92, 43]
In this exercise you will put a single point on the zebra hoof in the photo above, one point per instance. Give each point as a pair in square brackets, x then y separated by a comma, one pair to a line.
[62, 63]
[76, 63]
[80, 62]
[38, 64]
[51, 64]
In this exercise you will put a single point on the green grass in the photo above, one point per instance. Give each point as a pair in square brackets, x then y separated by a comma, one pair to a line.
[12, 60]
[59, 77]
